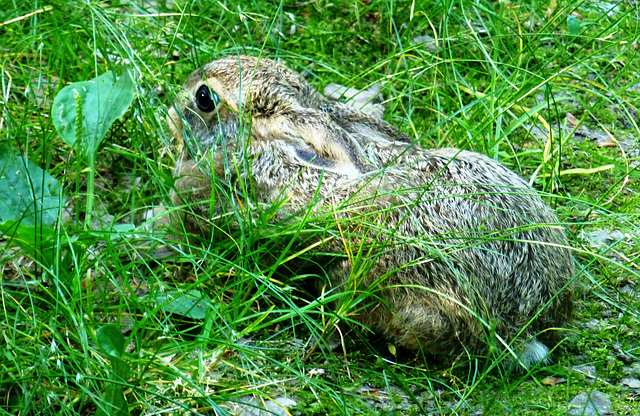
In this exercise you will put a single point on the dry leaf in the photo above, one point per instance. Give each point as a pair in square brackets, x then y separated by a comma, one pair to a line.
[609, 143]
[553, 381]
[572, 120]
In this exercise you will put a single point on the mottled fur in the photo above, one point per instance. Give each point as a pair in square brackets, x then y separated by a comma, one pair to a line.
[459, 241]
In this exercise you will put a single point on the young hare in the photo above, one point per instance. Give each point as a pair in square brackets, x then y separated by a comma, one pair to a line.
[454, 247]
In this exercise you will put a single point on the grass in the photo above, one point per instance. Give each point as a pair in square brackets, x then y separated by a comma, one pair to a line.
[219, 322]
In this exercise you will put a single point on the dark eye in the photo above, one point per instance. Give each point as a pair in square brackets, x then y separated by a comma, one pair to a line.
[206, 99]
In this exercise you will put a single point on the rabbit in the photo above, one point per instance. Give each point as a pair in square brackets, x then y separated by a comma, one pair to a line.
[454, 247]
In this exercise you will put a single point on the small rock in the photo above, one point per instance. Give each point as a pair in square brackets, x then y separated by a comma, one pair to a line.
[295, 344]
[254, 406]
[430, 43]
[593, 324]
[634, 383]
[630, 290]
[622, 355]
[589, 404]
[587, 370]
[602, 238]
[537, 132]
[633, 369]
[580, 358]
[634, 88]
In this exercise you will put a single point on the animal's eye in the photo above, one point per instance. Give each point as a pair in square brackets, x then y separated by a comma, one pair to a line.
[206, 99]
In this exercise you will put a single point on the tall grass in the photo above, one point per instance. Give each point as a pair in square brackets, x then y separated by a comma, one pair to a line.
[223, 318]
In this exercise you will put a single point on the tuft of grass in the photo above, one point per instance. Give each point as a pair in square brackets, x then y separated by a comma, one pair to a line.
[223, 319]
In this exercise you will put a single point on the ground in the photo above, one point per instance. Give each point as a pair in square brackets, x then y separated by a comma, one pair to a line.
[97, 318]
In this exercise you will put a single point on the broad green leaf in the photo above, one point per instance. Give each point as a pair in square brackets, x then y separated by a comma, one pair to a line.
[111, 340]
[115, 404]
[28, 194]
[37, 242]
[192, 305]
[102, 101]
[392, 349]
[574, 24]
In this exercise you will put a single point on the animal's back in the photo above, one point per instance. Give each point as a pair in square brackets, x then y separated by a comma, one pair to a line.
[466, 245]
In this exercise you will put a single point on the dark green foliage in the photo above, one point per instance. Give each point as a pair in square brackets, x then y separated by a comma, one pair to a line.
[112, 342]
[29, 195]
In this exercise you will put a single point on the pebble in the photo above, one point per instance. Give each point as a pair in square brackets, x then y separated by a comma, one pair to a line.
[428, 42]
[633, 369]
[634, 383]
[594, 403]
[587, 370]
[254, 406]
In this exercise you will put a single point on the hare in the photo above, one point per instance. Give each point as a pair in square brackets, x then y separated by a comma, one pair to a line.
[454, 247]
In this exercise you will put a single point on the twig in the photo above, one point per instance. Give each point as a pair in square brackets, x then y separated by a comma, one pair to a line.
[17, 19]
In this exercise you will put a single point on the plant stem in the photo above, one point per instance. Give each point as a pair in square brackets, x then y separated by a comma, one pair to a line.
[90, 181]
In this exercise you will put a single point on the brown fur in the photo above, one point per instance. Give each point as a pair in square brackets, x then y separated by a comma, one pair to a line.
[460, 243]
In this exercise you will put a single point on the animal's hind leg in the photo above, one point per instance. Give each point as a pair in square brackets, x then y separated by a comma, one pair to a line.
[418, 326]
[404, 317]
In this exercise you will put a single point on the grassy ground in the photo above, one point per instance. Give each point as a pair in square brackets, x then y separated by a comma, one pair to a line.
[548, 88]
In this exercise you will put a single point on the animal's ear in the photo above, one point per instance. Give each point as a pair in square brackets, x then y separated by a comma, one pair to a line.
[314, 140]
